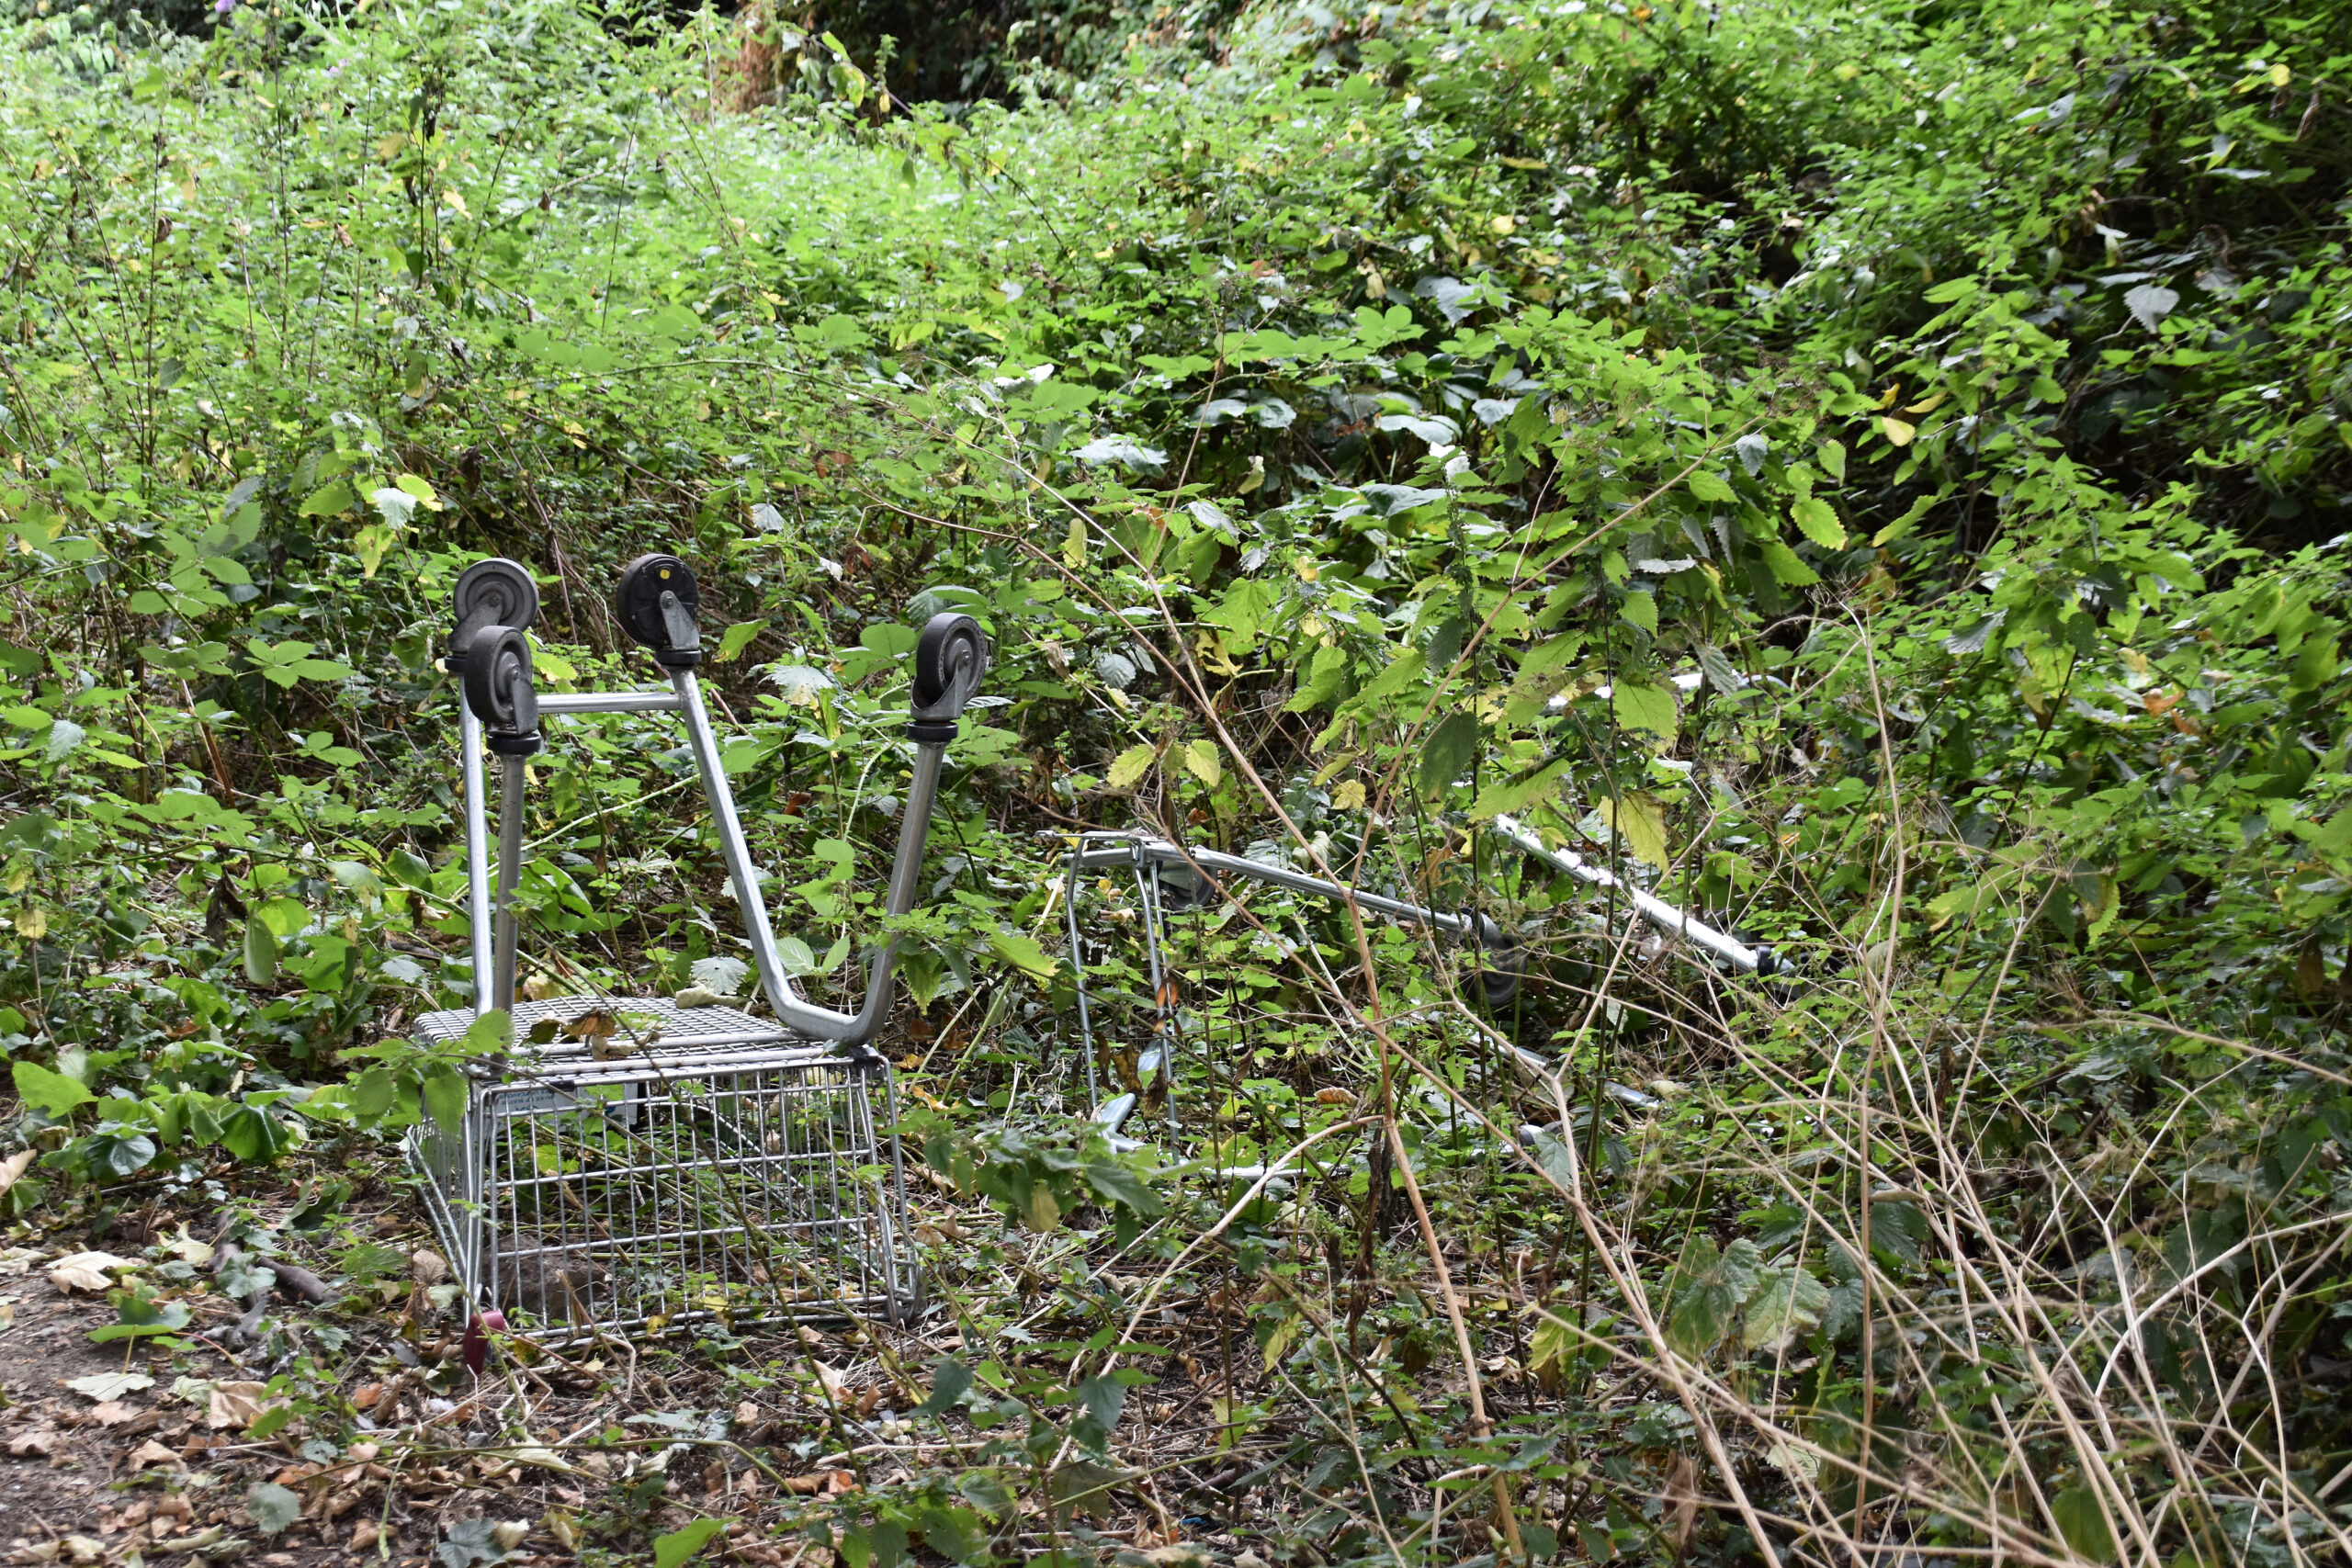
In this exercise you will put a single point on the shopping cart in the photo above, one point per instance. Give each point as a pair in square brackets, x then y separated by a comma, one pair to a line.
[630, 1165]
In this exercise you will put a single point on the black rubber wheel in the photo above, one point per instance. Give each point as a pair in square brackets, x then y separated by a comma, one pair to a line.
[951, 656]
[637, 601]
[494, 593]
[1500, 963]
[498, 681]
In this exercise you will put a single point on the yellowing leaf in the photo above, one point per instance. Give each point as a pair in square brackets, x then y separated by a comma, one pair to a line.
[1640, 820]
[1819, 523]
[1348, 796]
[1515, 795]
[1898, 433]
[1644, 707]
[1201, 760]
[1074, 545]
[1024, 953]
[1130, 765]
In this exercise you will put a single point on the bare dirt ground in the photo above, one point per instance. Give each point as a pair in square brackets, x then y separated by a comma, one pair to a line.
[350, 1429]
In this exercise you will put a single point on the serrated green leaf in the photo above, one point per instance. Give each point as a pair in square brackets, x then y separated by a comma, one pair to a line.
[330, 498]
[445, 1099]
[1203, 761]
[1446, 754]
[1782, 562]
[1022, 953]
[1819, 523]
[1644, 707]
[1708, 485]
[670, 1551]
[737, 639]
[1129, 767]
[1789, 1307]
[2079, 1518]
[261, 951]
[1322, 684]
[1640, 820]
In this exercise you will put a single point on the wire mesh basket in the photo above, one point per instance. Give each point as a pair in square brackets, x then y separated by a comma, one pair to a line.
[690, 1167]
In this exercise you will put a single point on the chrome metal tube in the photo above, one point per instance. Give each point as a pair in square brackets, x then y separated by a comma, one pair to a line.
[607, 701]
[469, 746]
[1159, 852]
[1657, 910]
[510, 872]
[793, 1009]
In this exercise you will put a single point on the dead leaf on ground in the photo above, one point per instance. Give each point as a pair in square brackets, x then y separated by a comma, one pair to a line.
[39, 1443]
[84, 1272]
[231, 1406]
[152, 1452]
[115, 1413]
[820, 1483]
[14, 1166]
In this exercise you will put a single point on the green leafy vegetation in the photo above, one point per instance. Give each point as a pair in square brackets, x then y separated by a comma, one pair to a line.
[1876, 475]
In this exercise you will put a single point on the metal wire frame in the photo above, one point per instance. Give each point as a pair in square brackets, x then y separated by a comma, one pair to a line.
[694, 1166]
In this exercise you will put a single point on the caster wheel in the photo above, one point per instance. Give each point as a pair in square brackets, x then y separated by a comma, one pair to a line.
[637, 601]
[498, 681]
[494, 593]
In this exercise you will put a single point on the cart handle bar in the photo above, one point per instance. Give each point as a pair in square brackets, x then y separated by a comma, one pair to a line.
[951, 658]
[1500, 979]
[1756, 960]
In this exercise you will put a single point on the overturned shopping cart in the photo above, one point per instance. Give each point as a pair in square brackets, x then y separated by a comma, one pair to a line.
[630, 1165]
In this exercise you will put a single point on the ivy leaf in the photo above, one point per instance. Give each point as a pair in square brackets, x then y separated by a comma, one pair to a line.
[1103, 1397]
[950, 1381]
[1711, 1287]
[255, 1133]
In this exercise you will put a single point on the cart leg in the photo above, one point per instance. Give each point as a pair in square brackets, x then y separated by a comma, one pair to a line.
[510, 872]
